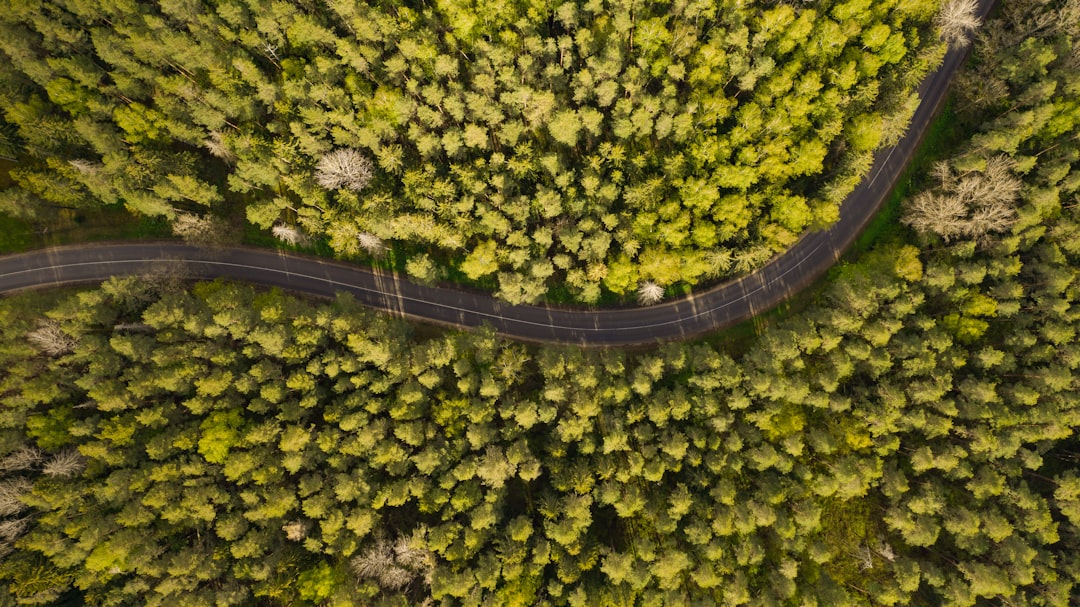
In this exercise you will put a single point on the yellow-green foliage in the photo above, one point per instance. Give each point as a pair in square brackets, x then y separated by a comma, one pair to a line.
[628, 132]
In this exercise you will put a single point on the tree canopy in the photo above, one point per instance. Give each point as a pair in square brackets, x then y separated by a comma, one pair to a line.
[908, 437]
[596, 145]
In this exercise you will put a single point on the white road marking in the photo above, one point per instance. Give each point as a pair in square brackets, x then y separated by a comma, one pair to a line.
[952, 53]
[429, 302]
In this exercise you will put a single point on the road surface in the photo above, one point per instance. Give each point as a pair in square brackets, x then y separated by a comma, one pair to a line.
[693, 315]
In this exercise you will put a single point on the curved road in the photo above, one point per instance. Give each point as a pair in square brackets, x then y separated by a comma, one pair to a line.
[720, 306]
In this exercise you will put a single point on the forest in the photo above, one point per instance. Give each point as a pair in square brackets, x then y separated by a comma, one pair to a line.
[523, 146]
[908, 437]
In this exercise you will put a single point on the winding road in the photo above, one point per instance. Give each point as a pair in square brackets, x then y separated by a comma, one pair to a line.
[695, 314]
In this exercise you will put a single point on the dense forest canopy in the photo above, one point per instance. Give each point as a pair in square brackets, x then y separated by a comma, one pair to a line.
[525, 145]
[909, 438]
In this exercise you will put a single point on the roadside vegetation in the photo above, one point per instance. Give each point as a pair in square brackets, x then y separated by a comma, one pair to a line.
[563, 149]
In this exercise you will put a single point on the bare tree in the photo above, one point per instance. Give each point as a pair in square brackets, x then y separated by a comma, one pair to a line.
[1068, 19]
[289, 235]
[378, 563]
[411, 552]
[65, 464]
[371, 243]
[865, 554]
[957, 21]
[395, 565]
[295, 530]
[864, 557]
[206, 231]
[23, 458]
[344, 168]
[649, 293]
[970, 204]
[12, 528]
[994, 185]
[884, 550]
[11, 492]
[939, 213]
[51, 339]
[86, 167]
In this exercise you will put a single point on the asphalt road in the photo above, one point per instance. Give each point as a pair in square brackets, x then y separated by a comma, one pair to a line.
[718, 307]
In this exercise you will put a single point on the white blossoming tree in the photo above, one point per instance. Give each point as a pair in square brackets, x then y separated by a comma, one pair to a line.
[289, 235]
[344, 168]
[957, 21]
[650, 293]
[371, 243]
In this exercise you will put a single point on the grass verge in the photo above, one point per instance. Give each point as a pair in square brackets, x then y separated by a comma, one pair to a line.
[70, 227]
[942, 138]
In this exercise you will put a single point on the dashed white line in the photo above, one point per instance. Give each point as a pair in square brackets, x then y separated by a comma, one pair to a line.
[288, 274]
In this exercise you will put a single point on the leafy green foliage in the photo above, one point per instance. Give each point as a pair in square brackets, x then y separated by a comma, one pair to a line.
[245, 447]
[909, 438]
[610, 137]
